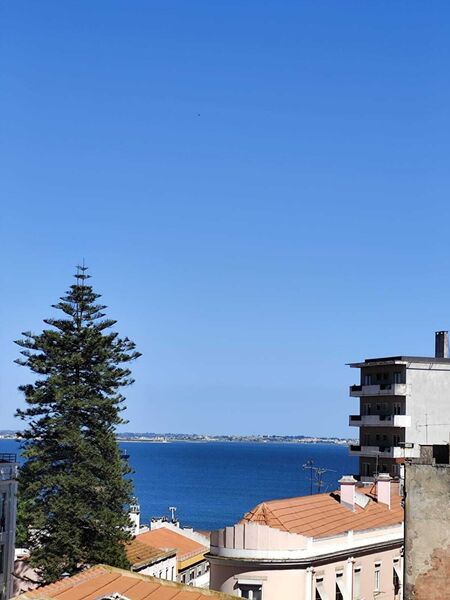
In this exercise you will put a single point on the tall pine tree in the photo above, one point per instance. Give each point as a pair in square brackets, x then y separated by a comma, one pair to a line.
[73, 487]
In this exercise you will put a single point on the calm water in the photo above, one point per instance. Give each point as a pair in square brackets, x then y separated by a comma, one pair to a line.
[214, 484]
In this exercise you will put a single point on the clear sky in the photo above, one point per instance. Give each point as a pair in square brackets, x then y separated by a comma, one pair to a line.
[260, 189]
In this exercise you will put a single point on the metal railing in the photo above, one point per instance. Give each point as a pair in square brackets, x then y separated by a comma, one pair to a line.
[8, 457]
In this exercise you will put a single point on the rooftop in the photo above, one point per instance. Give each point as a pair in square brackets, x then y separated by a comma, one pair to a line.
[165, 539]
[392, 360]
[322, 515]
[103, 581]
[141, 555]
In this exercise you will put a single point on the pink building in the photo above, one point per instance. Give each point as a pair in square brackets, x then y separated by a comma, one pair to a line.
[344, 545]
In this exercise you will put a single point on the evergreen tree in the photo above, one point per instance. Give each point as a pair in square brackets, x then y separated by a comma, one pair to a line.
[73, 487]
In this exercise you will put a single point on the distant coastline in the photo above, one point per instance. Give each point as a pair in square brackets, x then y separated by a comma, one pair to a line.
[166, 438]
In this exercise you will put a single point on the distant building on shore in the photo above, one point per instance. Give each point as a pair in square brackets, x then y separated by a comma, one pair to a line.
[344, 545]
[8, 501]
[404, 402]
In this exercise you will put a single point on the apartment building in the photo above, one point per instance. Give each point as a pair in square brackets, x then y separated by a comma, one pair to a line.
[344, 545]
[8, 494]
[403, 403]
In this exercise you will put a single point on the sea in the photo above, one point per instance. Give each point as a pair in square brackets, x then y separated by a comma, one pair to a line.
[213, 484]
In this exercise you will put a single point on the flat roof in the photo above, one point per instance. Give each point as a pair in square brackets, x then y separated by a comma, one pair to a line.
[400, 360]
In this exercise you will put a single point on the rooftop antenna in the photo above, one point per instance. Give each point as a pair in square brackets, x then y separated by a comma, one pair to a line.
[309, 465]
[316, 475]
[173, 510]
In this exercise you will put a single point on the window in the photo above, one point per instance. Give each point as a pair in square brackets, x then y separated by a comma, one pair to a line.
[396, 577]
[378, 376]
[2, 557]
[397, 408]
[357, 583]
[367, 379]
[252, 592]
[396, 439]
[167, 572]
[377, 577]
[340, 588]
[191, 575]
[366, 469]
[398, 377]
[2, 511]
[320, 592]
[173, 573]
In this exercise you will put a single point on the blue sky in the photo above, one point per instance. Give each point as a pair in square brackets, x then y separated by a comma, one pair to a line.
[259, 188]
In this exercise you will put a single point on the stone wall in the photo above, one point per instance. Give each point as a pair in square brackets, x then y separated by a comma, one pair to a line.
[427, 532]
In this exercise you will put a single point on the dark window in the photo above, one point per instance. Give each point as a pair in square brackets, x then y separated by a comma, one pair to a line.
[2, 558]
[396, 582]
[339, 595]
[2, 512]
[252, 592]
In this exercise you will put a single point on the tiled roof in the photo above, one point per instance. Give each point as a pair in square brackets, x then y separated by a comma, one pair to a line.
[141, 555]
[101, 581]
[166, 539]
[322, 515]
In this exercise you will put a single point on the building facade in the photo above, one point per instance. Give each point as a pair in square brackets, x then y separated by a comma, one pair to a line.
[340, 546]
[403, 403]
[427, 525]
[147, 560]
[8, 500]
[190, 548]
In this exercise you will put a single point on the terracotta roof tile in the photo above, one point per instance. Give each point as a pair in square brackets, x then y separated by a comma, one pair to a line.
[322, 515]
[166, 539]
[102, 580]
[140, 554]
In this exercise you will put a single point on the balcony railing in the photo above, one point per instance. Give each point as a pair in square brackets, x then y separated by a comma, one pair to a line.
[8, 457]
[380, 420]
[379, 389]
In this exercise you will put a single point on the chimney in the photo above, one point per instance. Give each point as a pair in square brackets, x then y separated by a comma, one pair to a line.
[441, 344]
[384, 489]
[348, 491]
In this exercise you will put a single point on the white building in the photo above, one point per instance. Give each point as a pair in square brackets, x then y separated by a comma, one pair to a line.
[404, 402]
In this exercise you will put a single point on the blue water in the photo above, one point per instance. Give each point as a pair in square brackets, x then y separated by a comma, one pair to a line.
[213, 484]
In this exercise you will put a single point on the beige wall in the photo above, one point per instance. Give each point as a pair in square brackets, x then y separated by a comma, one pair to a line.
[297, 584]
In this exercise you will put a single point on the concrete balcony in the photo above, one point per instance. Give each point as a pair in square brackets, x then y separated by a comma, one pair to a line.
[381, 389]
[383, 451]
[379, 421]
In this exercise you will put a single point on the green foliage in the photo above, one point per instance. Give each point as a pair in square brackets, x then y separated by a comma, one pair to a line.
[73, 487]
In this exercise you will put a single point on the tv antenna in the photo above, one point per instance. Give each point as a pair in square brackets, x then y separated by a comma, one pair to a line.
[316, 475]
